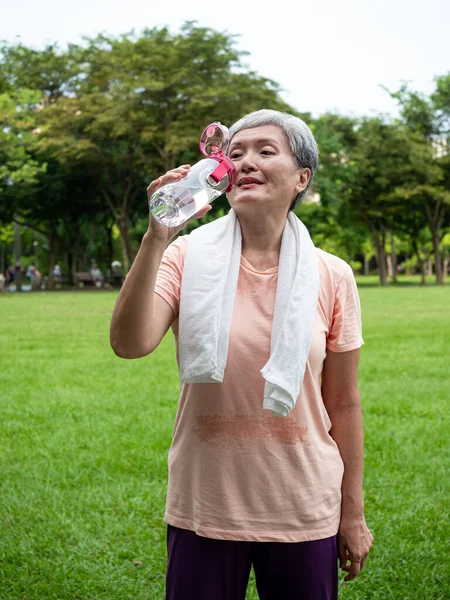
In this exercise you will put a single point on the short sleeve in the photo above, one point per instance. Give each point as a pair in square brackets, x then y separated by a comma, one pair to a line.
[346, 326]
[170, 273]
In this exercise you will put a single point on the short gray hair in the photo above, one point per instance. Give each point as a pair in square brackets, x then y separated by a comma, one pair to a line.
[301, 140]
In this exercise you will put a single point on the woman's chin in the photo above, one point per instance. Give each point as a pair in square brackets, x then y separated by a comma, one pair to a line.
[243, 198]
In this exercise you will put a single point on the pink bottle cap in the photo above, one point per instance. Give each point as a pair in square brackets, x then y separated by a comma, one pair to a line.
[214, 139]
[213, 144]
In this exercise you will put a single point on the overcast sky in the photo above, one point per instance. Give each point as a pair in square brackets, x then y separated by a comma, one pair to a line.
[326, 55]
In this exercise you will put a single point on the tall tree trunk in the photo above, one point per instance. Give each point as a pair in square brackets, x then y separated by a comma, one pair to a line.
[379, 240]
[127, 250]
[423, 270]
[73, 252]
[120, 212]
[75, 265]
[110, 250]
[53, 244]
[435, 219]
[389, 265]
[393, 257]
[437, 255]
[445, 264]
[366, 265]
[89, 250]
[70, 267]
[2, 259]
[422, 262]
[17, 257]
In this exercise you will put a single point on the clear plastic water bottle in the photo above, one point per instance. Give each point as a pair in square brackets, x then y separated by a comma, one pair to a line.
[175, 203]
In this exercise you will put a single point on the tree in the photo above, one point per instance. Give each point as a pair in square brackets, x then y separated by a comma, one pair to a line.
[140, 107]
[35, 189]
[381, 159]
[430, 120]
[440, 99]
[441, 103]
[6, 239]
[19, 169]
[52, 73]
[327, 216]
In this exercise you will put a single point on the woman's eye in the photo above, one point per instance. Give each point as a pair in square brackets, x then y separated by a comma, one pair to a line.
[234, 156]
[267, 152]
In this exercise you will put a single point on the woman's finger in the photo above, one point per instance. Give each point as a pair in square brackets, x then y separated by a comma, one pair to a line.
[169, 177]
[355, 569]
[198, 215]
[342, 551]
[178, 168]
[154, 185]
[202, 212]
[172, 176]
[183, 169]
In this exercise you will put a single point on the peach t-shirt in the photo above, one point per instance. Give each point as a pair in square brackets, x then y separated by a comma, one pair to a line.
[236, 472]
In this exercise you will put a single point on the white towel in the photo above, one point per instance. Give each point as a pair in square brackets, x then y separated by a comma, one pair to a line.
[208, 290]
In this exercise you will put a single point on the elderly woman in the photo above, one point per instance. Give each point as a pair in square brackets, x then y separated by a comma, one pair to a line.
[266, 461]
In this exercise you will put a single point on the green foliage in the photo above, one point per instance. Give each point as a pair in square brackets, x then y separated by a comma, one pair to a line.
[417, 111]
[83, 131]
[356, 265]
[19, 168]
[336, 136]
[49, 71]
[7, 234]
[430, 191]
[330, 232]
[441, 103]
[130, 108]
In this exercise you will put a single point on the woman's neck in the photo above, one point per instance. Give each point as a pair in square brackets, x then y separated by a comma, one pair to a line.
[261, 243]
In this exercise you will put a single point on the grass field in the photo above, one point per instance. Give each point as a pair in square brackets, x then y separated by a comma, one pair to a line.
[84, 439]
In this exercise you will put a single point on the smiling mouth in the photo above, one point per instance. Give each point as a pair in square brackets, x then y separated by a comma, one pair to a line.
[247, 184]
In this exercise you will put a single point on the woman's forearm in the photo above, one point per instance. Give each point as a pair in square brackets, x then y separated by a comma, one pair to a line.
[132, 323]
[343, 403]
[347, 431]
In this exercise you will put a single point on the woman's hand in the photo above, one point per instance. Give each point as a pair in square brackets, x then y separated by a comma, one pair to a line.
[354, 542]
[161, 231]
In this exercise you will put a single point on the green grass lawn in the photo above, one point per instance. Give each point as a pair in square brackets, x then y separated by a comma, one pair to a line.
[84, 439]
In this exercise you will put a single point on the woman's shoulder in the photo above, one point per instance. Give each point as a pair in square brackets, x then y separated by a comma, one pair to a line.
[180, 243]
[176, 250]
[332, 270]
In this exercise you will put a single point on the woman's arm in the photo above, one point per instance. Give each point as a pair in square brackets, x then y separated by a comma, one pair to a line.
[141, 318]
[342, 400]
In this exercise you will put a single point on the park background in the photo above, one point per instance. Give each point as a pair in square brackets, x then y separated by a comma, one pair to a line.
[84, 127]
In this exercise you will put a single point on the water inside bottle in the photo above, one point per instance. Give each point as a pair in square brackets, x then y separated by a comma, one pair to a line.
[172, 209]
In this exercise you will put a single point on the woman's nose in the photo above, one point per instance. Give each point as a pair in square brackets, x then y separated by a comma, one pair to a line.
[248, 162]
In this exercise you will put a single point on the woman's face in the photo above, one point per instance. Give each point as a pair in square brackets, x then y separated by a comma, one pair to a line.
[266, 173]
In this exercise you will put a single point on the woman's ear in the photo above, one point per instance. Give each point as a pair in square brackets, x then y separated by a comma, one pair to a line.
[303, 179]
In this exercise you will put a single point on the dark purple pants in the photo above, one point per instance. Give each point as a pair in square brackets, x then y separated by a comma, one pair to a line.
[201, 568]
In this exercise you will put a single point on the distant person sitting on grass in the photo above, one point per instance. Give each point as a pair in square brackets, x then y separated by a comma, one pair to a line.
[36, 278]
[56, 273]
[97, 276]
[266, 461]
[10, 275]
[30, 271]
